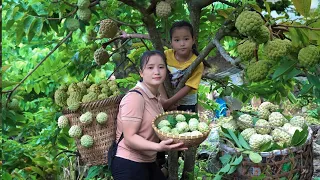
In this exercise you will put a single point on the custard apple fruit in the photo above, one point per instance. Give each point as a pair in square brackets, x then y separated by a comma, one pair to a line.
[268, 106]
[91, 96]
[248, 22]
[261, 36]
[298, 121]
[193, 124]
[163, 123]
[175, 131]
[75, 131]
[290, 128]
[86, 141]
[63, 122]
[262, 127]
[196, 133]
[182, 126]
[73, 105]
[282, 136]
[275, 49]
[101, 56]
[267, 138]
[83, 4]
[103, 4]
[108, 28]
[276, 119]
[309, 56]
[258, 71]
[255, 141]
[246, 50]
[116, 57]
[86, 118]
[103, 96]
[180, 118]
[163, 9]
[165, 129]
[263, 113]
[84, 14]
[203, 127]
[185, 134]
[247, 133]
[60, 98]
[72, 24]
[102, 117]
[244, 121]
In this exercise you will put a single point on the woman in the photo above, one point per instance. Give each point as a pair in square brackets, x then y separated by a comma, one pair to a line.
[136, 153]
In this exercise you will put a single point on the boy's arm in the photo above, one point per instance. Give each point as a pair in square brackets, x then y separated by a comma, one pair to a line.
[175, 98]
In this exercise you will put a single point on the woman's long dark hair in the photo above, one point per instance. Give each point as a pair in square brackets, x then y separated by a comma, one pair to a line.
[180, 24]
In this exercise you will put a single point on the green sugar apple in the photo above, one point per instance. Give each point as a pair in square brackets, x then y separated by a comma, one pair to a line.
[309, 56]
[86, 141]
[262, 127]
[163, 9]
[175, 131]
[63, 122]
[91, 96]
[163, 123]
[72, 24]
[246, 50]
[255, 141]
[60, 98]
[248, 22]
[116, 57]
[180, 118]
[185, 134]
[276, 119]
[298, 121]
[244, 121]
[108, 28]
[203, 127]
[86, 118]
[103, 4]
[101, 56]
[94, 88]
[281, 136]
[182, 126]
[275, 49]
[268, 106]
[258, 71]
[193, 124]
[247, 133]
[267, 138]
[165, 129]
[75, 131]
[263, 113]
[261, 36]
[103, 96]
[84, 14]
[290, 128]
[102, 117]
[196, 133]
[83, 4]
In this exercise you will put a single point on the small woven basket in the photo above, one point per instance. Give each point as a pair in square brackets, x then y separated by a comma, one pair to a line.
[189, 141]
[288, 163]
[103, 135]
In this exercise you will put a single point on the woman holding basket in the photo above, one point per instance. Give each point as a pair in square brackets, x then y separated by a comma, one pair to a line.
[137, 142]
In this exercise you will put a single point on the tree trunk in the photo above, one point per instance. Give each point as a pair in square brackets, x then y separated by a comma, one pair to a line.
[189, 162]
[173, 165]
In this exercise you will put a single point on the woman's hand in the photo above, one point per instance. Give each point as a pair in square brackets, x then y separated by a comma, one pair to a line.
[167, 105]
[166, 145]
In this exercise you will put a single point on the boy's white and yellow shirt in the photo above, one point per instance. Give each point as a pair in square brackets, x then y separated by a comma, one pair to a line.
[178, 69]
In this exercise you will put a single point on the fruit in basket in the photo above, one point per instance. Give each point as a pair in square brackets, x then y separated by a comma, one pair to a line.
[91, 96]
[193, 124]
[290, 128]
[196, 133]
[86, 118]
[247, 133]
[175, 131]
[265, 109]
[244, 121]
[203, 127]
[75, 131]
[267, 138]
[255, 141]
[74, 105]
[165, 129]
[86, 141]
[298, 121]
[262, 126]
[182, 127]
[277, 119]
[163, 123]
[180, 118]
[185, 134]
[60, 97]
[102, 117]
[280, 136]
[63, 122]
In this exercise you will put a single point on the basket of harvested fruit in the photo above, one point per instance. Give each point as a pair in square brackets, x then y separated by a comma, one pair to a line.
[181, 126]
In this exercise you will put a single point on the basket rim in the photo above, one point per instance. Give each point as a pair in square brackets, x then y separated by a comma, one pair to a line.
[169, 135]
[284, 151]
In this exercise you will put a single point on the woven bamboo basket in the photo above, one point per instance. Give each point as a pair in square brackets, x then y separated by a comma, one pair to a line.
[289, 163]
[189, 141]
[103, 135]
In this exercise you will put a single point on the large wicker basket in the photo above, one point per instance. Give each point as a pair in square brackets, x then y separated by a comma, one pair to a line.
[289, 163]
[103, 135]
[188, 141]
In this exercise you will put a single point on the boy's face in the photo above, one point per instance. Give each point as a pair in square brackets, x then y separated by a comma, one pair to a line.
[182, 41]
[154, 72]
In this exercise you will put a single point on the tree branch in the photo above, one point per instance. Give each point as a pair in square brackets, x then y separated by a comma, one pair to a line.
[45, 58]
[296, 26]
[223, 52]
[126, 24]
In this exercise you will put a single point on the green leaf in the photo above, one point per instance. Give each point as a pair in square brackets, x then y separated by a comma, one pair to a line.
[286, 66]
[314, 80]
[217, 177]
[237, 161]
[306, 88]
[93, 172]
[234, 137]
[38, 171]
[28, 23]
[299, 138]
[243, 142]
[267, 7]
[38, 25]
[266, 146]
[294, 72]
[255, 157]
[36, 88]
[302, 7]
[225, 158]
[6, 176]
[232, 169]
[225, 169]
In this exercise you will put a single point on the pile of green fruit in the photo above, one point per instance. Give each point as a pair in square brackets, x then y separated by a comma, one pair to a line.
[85, 119]
[183, 125]
[83, 92]
[266, 125]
